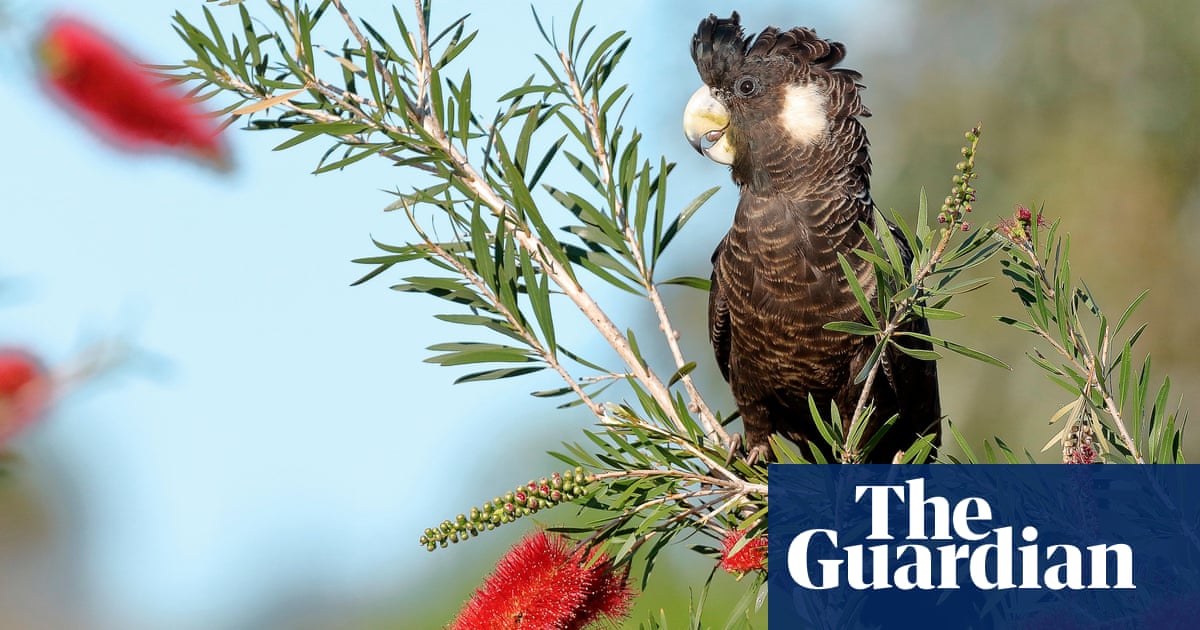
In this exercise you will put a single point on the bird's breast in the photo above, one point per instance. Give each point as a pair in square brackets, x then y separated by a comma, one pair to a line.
[784, 283]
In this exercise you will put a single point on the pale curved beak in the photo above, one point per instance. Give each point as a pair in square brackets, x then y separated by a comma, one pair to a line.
[705, 123]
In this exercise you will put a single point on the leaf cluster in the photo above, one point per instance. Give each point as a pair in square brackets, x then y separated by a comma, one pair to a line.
[512, 244]
[1089, 356]
[917, 272]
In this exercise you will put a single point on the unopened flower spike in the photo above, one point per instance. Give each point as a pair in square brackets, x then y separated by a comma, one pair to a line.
[521, 501]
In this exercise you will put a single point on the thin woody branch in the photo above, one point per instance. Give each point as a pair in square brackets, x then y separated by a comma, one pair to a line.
[952, 215]
[903, 310]
[1094, 378]
[590, 113]
[478, 185]
[737, 485]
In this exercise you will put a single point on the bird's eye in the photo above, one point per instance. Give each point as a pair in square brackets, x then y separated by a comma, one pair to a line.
[746, 86]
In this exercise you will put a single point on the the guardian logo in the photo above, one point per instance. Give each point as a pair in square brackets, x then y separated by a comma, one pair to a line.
[949, 547]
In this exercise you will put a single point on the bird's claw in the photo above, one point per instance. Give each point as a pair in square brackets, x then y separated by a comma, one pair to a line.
[752, 455]
[756, 453]
[735, 447]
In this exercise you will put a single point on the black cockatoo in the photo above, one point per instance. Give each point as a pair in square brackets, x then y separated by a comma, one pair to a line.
[778, 111]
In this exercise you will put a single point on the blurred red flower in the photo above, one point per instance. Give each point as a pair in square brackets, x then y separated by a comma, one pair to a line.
[124, 101]
[544, 583]
[25, 390]
[752, 555]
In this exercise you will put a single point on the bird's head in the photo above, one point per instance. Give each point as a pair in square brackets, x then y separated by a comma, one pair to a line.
[769, 101]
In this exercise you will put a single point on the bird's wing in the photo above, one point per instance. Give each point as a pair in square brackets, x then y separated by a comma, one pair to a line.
[718, 316]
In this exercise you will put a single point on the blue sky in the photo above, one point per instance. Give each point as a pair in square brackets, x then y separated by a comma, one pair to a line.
[274, 418]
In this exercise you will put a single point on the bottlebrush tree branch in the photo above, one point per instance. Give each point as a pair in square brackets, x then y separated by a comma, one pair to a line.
[1112, 415]
[502, 262]
[904, 294]
[590, 112]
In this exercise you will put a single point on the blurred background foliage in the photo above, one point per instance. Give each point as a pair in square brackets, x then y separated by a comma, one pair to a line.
[1090, 110]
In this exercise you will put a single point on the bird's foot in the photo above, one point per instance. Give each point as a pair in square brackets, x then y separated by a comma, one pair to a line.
[751, 455]
[757, 453]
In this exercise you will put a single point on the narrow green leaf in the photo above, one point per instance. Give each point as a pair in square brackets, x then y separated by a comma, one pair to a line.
[353, 155]
[688, 281]
[1016, 323]
[546, 159]
[552, 393]
[959, 348]
[490, 375]
[889, 245]
[968, 452]
[870, 364]
[960, 288]
[922, 219]
[296, 139]
[584, 362]
[684, 215]
[936, 313]
[538, 289]
[465, 357]
[857, 289]
[1125, 363]
[874, 259]
[1130, 309]
[916, 353]
[491, 323]
[481, 252]
[681, 372]
[854, 328]
[601, 48]
[828, 433]
[641, 204]
[909, 237]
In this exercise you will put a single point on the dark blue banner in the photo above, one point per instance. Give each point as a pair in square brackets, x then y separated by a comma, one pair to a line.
[1102, 547]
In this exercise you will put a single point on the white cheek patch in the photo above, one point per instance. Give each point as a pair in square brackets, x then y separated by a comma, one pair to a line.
[803, 114]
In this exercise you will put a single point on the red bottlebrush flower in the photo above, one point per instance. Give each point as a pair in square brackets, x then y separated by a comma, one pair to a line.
[544, 583]
[752, 555]
[127, 103]
[24, 391]
[1016, 228]
[1082, 454]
